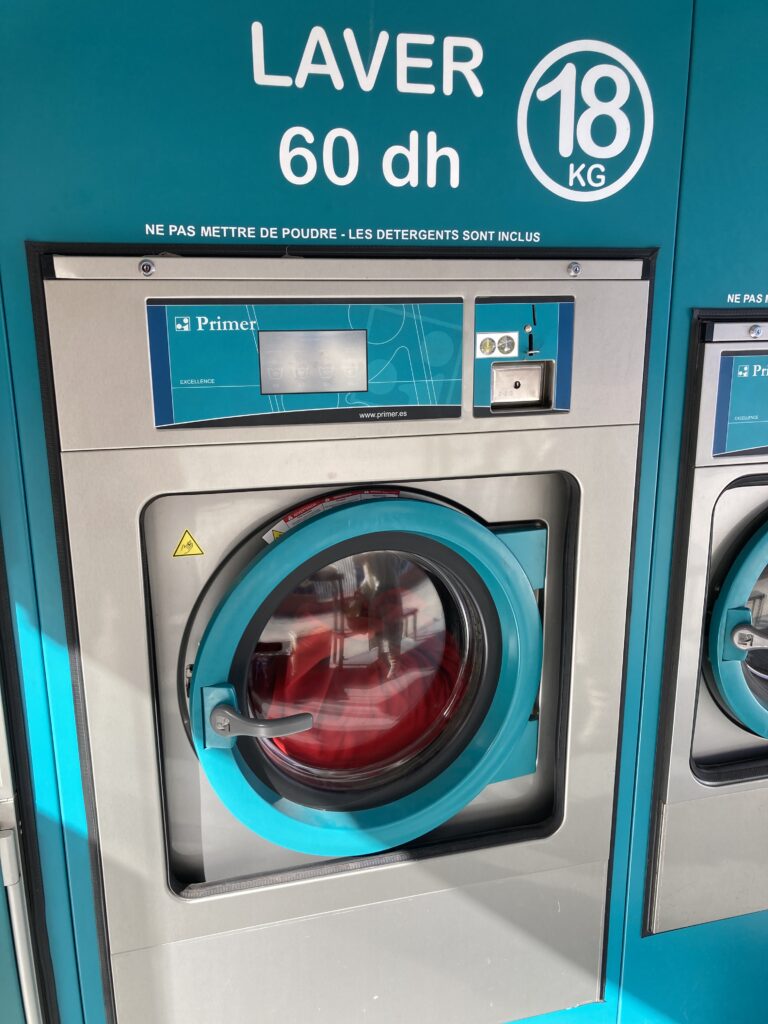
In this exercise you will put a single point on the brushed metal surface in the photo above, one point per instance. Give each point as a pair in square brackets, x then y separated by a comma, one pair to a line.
[451, 957]
[100, 349]
[301, 268]
[205, 841]
[528, 914]
[517, 384]
[710, 842]
[106, 557]
[713, 852]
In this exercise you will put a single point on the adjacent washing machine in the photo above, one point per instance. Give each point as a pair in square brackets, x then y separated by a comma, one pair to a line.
[349, 544]
[713, 782]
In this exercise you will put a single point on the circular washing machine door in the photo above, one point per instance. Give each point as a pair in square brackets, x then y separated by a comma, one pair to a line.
[738, 637]
[366, 676]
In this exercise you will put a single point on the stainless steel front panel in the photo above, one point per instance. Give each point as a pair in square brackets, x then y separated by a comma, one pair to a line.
[710, 860]
[206, 843]
[101, 346]
[712, 787]
[490, 933]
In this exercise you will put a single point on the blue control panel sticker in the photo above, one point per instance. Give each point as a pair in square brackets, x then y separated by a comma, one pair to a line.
[325, 361]
[741, 412]
[513, 331]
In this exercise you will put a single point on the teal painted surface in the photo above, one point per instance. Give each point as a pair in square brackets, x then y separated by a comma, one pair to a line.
[741, 418]
[411, 356]
[529, 546]
[347, 833]
[63, 854]
[521, 759]
[550, 337]
[10, 994]
[117, 127]
[715, 972]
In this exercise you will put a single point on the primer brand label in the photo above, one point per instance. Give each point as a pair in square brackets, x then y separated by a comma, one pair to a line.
[741, 417]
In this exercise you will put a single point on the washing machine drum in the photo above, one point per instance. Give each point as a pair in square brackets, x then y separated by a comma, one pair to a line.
[369, 673]
[738, 637]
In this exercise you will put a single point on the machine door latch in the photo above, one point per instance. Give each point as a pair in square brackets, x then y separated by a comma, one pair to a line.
[226, 721]
[750, 638]
[9, 857]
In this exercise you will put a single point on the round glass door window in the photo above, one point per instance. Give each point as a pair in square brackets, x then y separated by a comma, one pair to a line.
[738, 640]
[386, 652]
[367, 675]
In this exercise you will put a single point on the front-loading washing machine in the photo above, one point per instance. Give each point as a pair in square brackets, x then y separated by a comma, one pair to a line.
[712, 785]
[348, 543]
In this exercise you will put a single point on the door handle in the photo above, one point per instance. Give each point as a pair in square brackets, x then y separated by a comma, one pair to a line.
[227, 721]
[749, 638]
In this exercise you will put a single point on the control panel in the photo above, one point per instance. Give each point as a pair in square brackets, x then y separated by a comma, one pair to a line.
[243, 362]
[523, 356]
[741, 412]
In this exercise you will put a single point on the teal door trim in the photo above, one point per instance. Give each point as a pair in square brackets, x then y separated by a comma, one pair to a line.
[730, 612]
[348, 833]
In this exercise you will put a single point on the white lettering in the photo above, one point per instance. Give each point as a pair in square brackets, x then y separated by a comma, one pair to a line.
[260, 75]
[411, 154]
[575, 174]
[405, 61]
[596, 175]
[366, 79]
[453, 66]
[434, 154]
[318, 39]
[288, 153]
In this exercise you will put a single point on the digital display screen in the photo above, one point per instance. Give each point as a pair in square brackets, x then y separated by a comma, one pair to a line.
[306, 362]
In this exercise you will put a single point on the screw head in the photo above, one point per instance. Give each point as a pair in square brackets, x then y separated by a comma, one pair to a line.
[146, 267]
[574, 269]
[755, 331]
[527, 328]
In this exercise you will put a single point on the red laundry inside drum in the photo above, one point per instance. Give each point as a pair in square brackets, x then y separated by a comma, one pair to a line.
[378, 696]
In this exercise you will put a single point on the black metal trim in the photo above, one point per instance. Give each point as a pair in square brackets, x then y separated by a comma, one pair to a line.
[352, 414]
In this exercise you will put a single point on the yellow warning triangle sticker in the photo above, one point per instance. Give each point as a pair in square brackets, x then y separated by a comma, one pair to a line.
[187, 546]
[277, 534]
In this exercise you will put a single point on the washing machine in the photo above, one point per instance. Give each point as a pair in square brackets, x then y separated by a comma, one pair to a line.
[347, 544]
[712, 789]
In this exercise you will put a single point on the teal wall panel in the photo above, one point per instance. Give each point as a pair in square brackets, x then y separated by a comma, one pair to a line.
[710, 973]
[147, 127]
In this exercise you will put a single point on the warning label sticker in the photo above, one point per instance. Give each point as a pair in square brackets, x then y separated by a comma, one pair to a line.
[187, 546]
